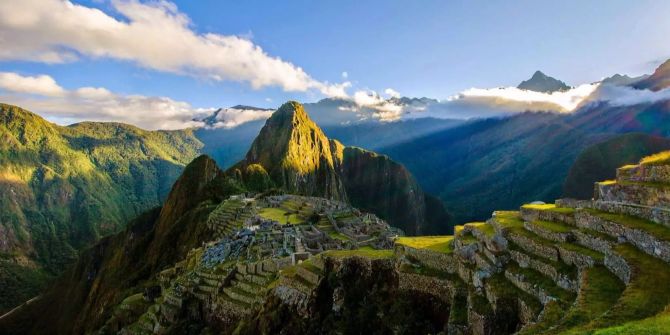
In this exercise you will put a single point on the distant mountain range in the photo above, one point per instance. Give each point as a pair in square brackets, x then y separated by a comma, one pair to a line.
[504, 162]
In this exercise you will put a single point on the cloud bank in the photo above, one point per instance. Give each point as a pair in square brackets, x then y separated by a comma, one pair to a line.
[153, 35]
[42, 93]
[233, 117]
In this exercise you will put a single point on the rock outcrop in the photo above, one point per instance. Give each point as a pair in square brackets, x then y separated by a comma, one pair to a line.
[300, 159]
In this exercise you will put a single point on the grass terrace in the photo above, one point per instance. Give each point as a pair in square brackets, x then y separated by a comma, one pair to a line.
[365, 252]
[338, 236]
[280, 215]
[646, 295]
[544, 282]
[658, 324]
[443, 244]
[661, 158]
[555, 227]
[484, 227]
[600, 289]
[660, 231]
[509, 219]
[549, 207]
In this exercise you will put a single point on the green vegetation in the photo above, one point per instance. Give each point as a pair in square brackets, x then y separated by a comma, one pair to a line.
[600, 161]
[661, 158]
[363, 252]
[659, 231]
[658, 324]
[599, 290]
[555, 227]
[550, 207]
[443, 244]
[487, 229]
[547, 284]
[70, 186]
[644, 296]
[562, 268]
[280, 215]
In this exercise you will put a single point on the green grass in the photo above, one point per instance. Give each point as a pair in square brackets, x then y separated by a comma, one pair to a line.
[441, 244]
[549, 207]
[599, 290]
[659, 324]
[338, 236]
[660, 231]
[661, 158]
[467, 239]
[483, 227]
[570, 271]
[279, 215]
[597, 256]
[544, 282]
[509, 219]
[646, 295]
[366, 253]
[555, 227]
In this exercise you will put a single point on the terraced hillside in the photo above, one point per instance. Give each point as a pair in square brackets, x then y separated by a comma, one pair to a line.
[571, 267]
[283, 263]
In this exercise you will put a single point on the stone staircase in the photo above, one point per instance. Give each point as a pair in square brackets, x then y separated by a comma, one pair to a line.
[249, 285]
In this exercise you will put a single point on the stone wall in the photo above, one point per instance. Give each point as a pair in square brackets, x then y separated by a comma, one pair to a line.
[645, 173]
[639, 238]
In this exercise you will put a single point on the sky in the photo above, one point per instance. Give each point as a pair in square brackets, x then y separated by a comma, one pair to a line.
[164, 62]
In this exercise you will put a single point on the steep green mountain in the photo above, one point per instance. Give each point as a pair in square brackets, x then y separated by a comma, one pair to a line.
[65, 187]
[599, 162]
[297, 157]
[119, 263]
[540, 82]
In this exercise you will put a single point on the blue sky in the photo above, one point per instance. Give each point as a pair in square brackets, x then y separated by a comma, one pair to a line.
[418, 48]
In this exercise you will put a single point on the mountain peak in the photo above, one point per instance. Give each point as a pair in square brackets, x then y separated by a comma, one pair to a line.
[297, 154]
[659, 80]
[541, 82]
[290, 111]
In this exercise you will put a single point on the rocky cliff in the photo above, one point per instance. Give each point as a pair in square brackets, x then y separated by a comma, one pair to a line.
[300, 159]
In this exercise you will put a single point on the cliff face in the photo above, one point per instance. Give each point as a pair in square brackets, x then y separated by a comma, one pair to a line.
[378, 184]
[297, 155]
[300, 159]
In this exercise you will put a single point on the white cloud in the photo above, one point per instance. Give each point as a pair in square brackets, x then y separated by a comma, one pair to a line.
[514, 99]
[392, 93]
[42, 85]
[154, 35]
[233, 117]
[628, 96]
[345, 75]
[382, 109]
[43, 95]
